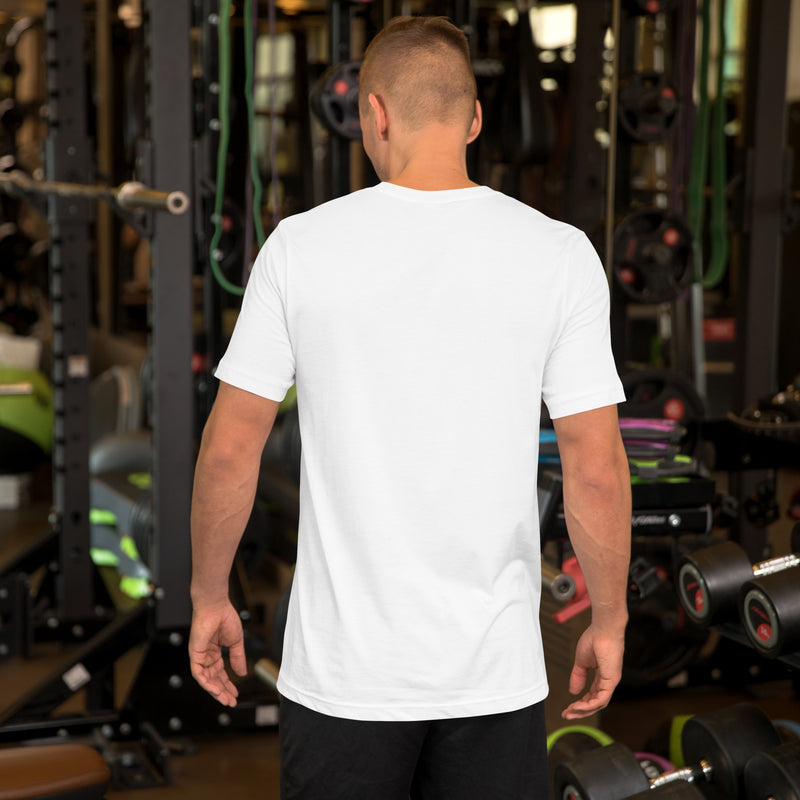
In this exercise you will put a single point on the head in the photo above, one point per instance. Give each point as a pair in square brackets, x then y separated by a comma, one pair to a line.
[418, 71]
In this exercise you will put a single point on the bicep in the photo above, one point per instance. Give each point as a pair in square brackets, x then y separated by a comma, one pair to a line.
[239, 424]
[589, 440]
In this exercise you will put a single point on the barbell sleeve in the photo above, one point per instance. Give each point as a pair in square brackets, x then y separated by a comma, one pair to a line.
[559, 584]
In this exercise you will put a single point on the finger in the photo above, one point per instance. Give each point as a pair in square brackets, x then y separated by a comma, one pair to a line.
[586, 706]
[214, 679]
[237, 658]
[577, 679]
[220, 688]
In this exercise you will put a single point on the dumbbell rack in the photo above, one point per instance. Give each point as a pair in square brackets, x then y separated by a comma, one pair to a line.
[731, 630]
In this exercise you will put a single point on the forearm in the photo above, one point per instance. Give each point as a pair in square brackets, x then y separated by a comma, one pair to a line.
[597, 507]
[222, 500]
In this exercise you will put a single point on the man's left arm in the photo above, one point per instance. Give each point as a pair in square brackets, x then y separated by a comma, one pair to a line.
[226, 477]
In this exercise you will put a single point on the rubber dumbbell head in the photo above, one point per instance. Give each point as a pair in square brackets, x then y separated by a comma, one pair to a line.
[571, 741]
[709, 581]
[605, 773]
[717, 746]
[725, 740]
[774, 773]
[770, 612]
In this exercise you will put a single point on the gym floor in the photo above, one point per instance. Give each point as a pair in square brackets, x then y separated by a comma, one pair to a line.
[245, 765]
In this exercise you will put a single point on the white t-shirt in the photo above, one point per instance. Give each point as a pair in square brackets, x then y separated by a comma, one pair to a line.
[422, 329]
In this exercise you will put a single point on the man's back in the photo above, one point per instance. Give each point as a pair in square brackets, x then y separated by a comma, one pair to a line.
[422, 338]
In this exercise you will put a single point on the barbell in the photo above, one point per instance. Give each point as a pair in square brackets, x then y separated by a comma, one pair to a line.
[130, 195]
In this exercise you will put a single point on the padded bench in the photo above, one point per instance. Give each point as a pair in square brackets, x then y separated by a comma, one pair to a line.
[53, 772]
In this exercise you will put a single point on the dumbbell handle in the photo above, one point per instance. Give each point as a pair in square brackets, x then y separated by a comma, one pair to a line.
[775, 565]
[702, 772]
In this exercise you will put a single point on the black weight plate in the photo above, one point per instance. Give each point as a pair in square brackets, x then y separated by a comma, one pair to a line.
[709, 582]
[660, 642]
[774, 773]
[334, 100]
[607, 773]
[661, 394]
[653, 255]
[727, 739]
[648, 106]
[665, 394]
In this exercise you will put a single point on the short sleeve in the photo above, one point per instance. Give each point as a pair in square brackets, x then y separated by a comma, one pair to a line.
[580, 373]
[259, 358]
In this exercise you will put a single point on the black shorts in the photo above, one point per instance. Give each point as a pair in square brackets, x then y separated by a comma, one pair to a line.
[494, 757]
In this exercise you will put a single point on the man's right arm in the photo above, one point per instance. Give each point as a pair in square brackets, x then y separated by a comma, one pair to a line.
[225, 483]
[597, 507]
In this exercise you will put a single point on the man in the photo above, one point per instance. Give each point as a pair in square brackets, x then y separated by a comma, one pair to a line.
[423, 320]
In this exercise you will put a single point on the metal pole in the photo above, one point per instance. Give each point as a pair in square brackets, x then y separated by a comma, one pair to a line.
[171, 134]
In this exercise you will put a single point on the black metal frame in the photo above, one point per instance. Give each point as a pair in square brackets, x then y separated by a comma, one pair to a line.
[761, 246]
[171, 136]
[68, 159]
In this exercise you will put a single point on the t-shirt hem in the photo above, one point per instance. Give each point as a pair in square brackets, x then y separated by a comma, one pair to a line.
[241, 380]
[587, 402]
[415, 712]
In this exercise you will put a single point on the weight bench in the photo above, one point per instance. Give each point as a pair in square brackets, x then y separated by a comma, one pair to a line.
[53, 772]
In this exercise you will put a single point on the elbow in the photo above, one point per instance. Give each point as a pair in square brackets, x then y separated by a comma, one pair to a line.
[603, 473]
[222, 457]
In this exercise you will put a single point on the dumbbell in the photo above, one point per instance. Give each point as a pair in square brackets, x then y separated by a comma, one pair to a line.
[573, 740]
[710, 580]
[774, 774]
[718, 745]
[770, 612]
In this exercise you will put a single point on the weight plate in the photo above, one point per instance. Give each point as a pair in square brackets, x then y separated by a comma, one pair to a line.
[606, 773]
[653, 255]
[660, 641]
[334, 100]
[648, 106]
[727, 738]
[774, 773]
[661, 394]
[709, 582]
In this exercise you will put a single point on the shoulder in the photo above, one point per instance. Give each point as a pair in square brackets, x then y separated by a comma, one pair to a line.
[331, 210]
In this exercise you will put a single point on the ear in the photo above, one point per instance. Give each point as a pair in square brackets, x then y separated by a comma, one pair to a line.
[477, 123]
[381, 119]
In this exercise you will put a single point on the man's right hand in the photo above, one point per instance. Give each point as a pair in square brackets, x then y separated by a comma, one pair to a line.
[214, 628]
[600, 653]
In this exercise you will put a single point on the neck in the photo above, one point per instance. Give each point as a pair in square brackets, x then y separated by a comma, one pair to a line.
[433, 160]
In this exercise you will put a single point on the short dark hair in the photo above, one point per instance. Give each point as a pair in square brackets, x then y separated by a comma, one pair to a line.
[422, 66]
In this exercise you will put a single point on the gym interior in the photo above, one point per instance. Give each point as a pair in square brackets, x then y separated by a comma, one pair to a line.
[148, 149]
